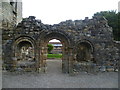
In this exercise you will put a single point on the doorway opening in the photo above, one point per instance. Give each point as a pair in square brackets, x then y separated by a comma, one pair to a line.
[63, 39]
[54, 56]
[54, 49]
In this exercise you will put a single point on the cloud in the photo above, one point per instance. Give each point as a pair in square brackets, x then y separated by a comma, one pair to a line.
[55, 11]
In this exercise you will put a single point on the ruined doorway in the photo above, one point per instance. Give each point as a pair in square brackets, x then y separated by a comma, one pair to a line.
[54, 56]
[43, 52]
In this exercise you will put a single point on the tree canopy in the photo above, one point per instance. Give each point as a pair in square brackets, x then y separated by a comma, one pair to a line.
[50, 47]
[113, 21]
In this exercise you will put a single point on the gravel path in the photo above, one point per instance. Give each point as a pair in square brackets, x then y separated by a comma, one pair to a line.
[54, 78]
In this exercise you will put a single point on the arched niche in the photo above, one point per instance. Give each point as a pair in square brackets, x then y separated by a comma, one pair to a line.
[84, 51]
[24, 49]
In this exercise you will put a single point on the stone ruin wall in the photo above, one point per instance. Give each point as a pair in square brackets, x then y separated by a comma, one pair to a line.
[10, 16]
[95, 30]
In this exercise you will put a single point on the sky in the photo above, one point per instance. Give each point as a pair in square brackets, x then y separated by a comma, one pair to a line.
[55, 11]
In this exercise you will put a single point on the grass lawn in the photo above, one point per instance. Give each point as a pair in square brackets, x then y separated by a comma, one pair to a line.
[54, 55]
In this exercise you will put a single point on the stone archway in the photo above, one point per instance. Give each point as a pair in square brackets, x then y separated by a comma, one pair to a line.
[66, 42]
[24, 52]
[84, 51]
[84, 57]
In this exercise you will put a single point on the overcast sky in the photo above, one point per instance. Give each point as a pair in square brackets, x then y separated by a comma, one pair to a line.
[55, 11]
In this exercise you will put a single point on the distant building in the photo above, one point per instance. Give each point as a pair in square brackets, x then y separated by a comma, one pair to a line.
[57, 47]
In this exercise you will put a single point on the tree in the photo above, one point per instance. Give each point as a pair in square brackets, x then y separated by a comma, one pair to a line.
[50, 47]
[113, 21]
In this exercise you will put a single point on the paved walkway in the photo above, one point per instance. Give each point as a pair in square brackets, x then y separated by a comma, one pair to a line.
[54, 78]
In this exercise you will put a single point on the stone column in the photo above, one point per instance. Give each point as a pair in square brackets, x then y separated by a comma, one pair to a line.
[71, 60]
[43, 57]
[37, 58]
[65, 61]
[40, 67]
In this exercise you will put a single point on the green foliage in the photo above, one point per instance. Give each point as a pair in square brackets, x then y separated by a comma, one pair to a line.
[50, 47]
[113, 21]
[54, 55]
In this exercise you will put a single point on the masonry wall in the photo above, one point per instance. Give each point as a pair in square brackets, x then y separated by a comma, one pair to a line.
[95, 32]
[10, 15]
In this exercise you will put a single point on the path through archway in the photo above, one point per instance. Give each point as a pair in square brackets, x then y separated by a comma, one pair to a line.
[54, 57]
[65, 55]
